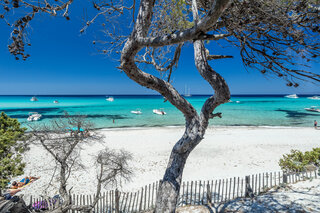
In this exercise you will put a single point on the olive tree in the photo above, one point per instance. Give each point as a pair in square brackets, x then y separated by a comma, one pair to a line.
[275, 37]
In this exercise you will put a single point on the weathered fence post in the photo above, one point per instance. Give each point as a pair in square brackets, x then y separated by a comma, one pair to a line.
[191, 193]
[30, 202]
[141, 199]
[248, 189]
[117, 199]
[285, 178]
[209, 194]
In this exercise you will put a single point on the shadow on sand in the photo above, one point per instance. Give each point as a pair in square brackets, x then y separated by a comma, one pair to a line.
[293, 201]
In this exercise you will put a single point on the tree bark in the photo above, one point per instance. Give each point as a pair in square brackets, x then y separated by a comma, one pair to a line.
[195, 129]
[195, 124]
[170, 185]
[63, 187]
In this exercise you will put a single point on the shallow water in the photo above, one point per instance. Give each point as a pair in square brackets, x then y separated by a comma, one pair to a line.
[255, 110]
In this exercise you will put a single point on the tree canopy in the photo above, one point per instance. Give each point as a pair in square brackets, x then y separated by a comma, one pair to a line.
[277, 37]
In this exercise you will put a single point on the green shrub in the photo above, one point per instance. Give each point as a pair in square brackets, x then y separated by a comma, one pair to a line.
[297, 161]
[12, 146]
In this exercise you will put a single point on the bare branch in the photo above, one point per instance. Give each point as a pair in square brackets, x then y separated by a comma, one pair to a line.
[214, 57]
[162, 67]
[275, 37]
[213, 115]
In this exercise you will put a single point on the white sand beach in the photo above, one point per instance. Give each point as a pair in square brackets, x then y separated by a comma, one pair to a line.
[224, 152]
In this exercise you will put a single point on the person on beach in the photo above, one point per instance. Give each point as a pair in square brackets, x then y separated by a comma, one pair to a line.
[8, 195]
[315, 124]
[23, 182]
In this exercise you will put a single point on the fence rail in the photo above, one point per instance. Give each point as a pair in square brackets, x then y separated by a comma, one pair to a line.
[191, 192]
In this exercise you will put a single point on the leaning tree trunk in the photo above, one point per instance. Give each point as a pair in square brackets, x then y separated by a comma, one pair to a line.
[170, 185]
[194, 131]
[195, 124]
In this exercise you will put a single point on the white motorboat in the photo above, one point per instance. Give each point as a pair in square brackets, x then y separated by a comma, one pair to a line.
[34, 98]
[110, 99]
[291, 96]
[159, 112]
[312, 109]
[314, 98]
[137, 111]
[55, 102]
[34, 116]
[237, 102]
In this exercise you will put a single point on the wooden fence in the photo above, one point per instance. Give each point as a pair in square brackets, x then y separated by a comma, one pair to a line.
[191, 192]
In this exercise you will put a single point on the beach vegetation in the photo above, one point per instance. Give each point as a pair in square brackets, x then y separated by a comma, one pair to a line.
[298, 161]
[63, 139]
[12, 146]
[275, 38]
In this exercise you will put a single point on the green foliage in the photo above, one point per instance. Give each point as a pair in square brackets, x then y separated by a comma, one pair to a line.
[297, 161]
[174, 16]
[12, 145]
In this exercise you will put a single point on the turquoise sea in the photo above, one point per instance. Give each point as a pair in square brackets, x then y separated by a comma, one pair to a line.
[244, 110]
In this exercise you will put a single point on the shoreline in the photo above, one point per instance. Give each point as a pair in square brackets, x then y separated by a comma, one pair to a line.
[224, 153]
[209, 127]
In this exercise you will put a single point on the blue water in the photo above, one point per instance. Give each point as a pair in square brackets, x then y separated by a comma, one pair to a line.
[249, 111]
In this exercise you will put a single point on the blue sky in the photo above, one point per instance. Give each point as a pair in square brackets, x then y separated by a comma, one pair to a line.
[64, 62]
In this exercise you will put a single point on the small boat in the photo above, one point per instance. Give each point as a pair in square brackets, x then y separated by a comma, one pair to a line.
[159, 111]
[110, 99]
[312, 109]
[55, 102]
[34, 116]
[237, 102]
[291, 96]
[34, 98]
[314, 98]
[137, 111]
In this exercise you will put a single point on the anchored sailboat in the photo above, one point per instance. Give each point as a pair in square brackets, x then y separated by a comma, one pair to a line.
[187, 94]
